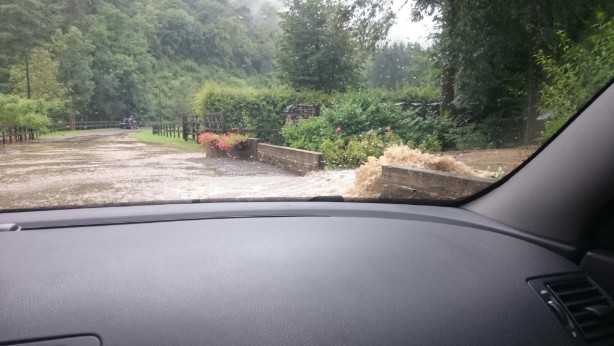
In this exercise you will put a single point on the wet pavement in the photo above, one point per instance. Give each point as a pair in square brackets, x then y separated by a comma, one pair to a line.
[110, 167]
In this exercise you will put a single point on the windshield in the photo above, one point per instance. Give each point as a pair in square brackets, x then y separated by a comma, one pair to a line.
[128, 102]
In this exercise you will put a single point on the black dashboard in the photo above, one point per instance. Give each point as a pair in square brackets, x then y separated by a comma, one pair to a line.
[273, 274]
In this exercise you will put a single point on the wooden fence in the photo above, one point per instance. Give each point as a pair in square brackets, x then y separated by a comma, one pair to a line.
[168, 130]
[21, 134]
[191, 127]
[17, 134]
[83, 125]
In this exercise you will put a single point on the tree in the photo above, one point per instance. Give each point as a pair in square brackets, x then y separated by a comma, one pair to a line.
[317, 49]
[43, 82]
[74, 53]
[122, 67]
[487, 54]
[577, 75]
[23, 25]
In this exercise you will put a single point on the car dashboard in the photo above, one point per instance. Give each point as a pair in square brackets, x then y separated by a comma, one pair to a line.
[300, 273]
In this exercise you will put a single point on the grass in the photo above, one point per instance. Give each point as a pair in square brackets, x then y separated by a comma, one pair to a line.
[179, 143]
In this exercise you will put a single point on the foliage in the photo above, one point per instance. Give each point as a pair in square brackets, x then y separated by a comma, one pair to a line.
[20, 112]
[107, 59]
[247, 107]
[581, 71]
[141, 58]
[224, 142]
[23, 25]
[74, 55]
[469, 137]
[121, 64]
[317, 49]
[324, 42]
[44, 84]
[487, 48]
[207, 138]
[308, 134]
[361, 124]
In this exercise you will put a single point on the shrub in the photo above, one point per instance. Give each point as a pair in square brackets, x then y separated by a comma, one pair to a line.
[308, 134]
[364, 123]
[355, 151]
[468, 137]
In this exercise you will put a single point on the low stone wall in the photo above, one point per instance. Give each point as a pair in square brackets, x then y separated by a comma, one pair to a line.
[414, 183]
[293, 160]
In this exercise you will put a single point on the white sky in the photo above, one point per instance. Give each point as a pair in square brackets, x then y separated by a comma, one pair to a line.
[404, 30]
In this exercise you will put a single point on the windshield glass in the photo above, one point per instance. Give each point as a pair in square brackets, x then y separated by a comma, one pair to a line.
[132, 101]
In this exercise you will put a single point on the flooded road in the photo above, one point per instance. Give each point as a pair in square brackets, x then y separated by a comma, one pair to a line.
[111, 167]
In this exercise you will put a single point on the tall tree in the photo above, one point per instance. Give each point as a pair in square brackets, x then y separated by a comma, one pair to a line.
[121, 65]
[74, 53]
[23, 25]
[43, 81]
[319, 48]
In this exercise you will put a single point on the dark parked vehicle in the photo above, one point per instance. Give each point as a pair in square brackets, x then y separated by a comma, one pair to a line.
[128, 123]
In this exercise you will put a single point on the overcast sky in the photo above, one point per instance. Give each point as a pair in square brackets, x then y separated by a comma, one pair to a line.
[403, 31]
[407, 31]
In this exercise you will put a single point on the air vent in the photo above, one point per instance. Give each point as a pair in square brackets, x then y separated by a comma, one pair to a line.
[590, 309]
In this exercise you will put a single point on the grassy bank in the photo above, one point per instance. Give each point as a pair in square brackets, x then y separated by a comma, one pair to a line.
[148, 137]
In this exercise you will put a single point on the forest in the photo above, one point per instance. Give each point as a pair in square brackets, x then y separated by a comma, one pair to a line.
[504, 72]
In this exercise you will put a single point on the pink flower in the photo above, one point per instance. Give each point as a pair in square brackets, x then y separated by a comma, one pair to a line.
[338, 129]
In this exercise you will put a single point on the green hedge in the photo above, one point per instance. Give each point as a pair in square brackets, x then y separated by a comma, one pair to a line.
[248, 107]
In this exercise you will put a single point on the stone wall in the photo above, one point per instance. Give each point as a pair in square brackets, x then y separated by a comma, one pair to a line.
[297, 112]
[414, 183]
[293, 160]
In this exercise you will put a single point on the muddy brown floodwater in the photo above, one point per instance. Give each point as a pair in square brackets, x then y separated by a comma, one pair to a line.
[111, 167]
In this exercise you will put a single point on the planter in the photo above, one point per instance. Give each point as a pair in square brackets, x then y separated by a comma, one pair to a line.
[238, 152]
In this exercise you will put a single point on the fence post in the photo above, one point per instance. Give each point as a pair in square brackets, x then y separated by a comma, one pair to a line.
[224, 124]
[184, 126]
[194, 127]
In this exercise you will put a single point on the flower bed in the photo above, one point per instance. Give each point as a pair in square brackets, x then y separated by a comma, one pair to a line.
[226, 145]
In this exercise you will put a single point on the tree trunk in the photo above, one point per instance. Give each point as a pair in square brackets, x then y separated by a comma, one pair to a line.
[533, 127]
[28, 76]
[447, 90]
